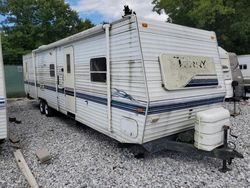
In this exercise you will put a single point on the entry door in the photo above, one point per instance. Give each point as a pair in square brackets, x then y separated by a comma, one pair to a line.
[69, 79]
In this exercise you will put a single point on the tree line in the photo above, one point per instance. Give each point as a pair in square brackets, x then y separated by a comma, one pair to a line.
[230, 19]
[30, 24]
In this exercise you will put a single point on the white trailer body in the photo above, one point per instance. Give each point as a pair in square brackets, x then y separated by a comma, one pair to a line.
[3, 116]
[227, 72]
[244, 63]
[29, 76]
[134, 80]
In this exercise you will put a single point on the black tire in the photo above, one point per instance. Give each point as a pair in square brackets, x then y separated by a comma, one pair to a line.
[48, 110]
[41, 106]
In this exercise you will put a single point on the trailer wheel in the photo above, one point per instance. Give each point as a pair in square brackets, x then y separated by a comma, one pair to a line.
[41, 106]
[48, 110]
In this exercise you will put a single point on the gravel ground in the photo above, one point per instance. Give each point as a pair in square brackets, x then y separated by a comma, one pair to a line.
[83, 157]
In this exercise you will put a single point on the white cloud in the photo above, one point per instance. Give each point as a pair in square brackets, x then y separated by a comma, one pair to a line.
[113, 9]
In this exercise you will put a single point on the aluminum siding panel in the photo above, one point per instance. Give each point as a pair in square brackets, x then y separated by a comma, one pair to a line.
[3, 124]
[60, 74]
[29, 77]
[43, 61]
[126, 75]
[3, 115]
[160, 37]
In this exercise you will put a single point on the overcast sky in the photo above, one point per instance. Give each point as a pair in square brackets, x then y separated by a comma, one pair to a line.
[108, 10]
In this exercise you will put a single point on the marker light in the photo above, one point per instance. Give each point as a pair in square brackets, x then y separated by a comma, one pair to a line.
[139, 110]
[145, 25]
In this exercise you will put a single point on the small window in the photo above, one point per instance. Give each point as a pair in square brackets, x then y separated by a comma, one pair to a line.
[98, 69]
[240, 66]
[244, 66]
[52, 70]
[68, 63]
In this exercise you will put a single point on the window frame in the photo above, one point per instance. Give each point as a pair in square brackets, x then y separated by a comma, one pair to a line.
[96, 71]
[68, 63]
[52, 73]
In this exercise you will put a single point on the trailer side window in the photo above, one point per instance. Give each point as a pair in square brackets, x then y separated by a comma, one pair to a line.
[52, 70]
[240, 66]
[68, 63]
[98, 69]
[244, 66]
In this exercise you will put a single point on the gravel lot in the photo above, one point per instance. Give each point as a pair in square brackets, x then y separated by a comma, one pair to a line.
[83, 157]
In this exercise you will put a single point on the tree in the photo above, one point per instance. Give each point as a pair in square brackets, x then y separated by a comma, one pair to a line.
[230, 19]
[30, 24]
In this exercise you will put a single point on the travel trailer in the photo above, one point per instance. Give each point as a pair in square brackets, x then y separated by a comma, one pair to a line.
[226, 68]
[123, 80]
[3, 117]
[135, 80]
[231, 71]
[237, 76]
[244, 64]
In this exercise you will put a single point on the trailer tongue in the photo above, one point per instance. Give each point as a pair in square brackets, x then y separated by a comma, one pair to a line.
[209, 138]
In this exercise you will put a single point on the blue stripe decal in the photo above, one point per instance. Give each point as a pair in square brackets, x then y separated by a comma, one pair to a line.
[2, 103]
[30, 83]
[60, 90]
[183, 105]
[45, 86]
[70, 93]
[128, 107]
[133, 107]
[50, 88]
[92, 98]
[202, 82]
[115, 104]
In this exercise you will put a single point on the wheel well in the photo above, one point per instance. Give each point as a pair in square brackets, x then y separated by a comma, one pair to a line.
[28, 96]
[41, 99]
